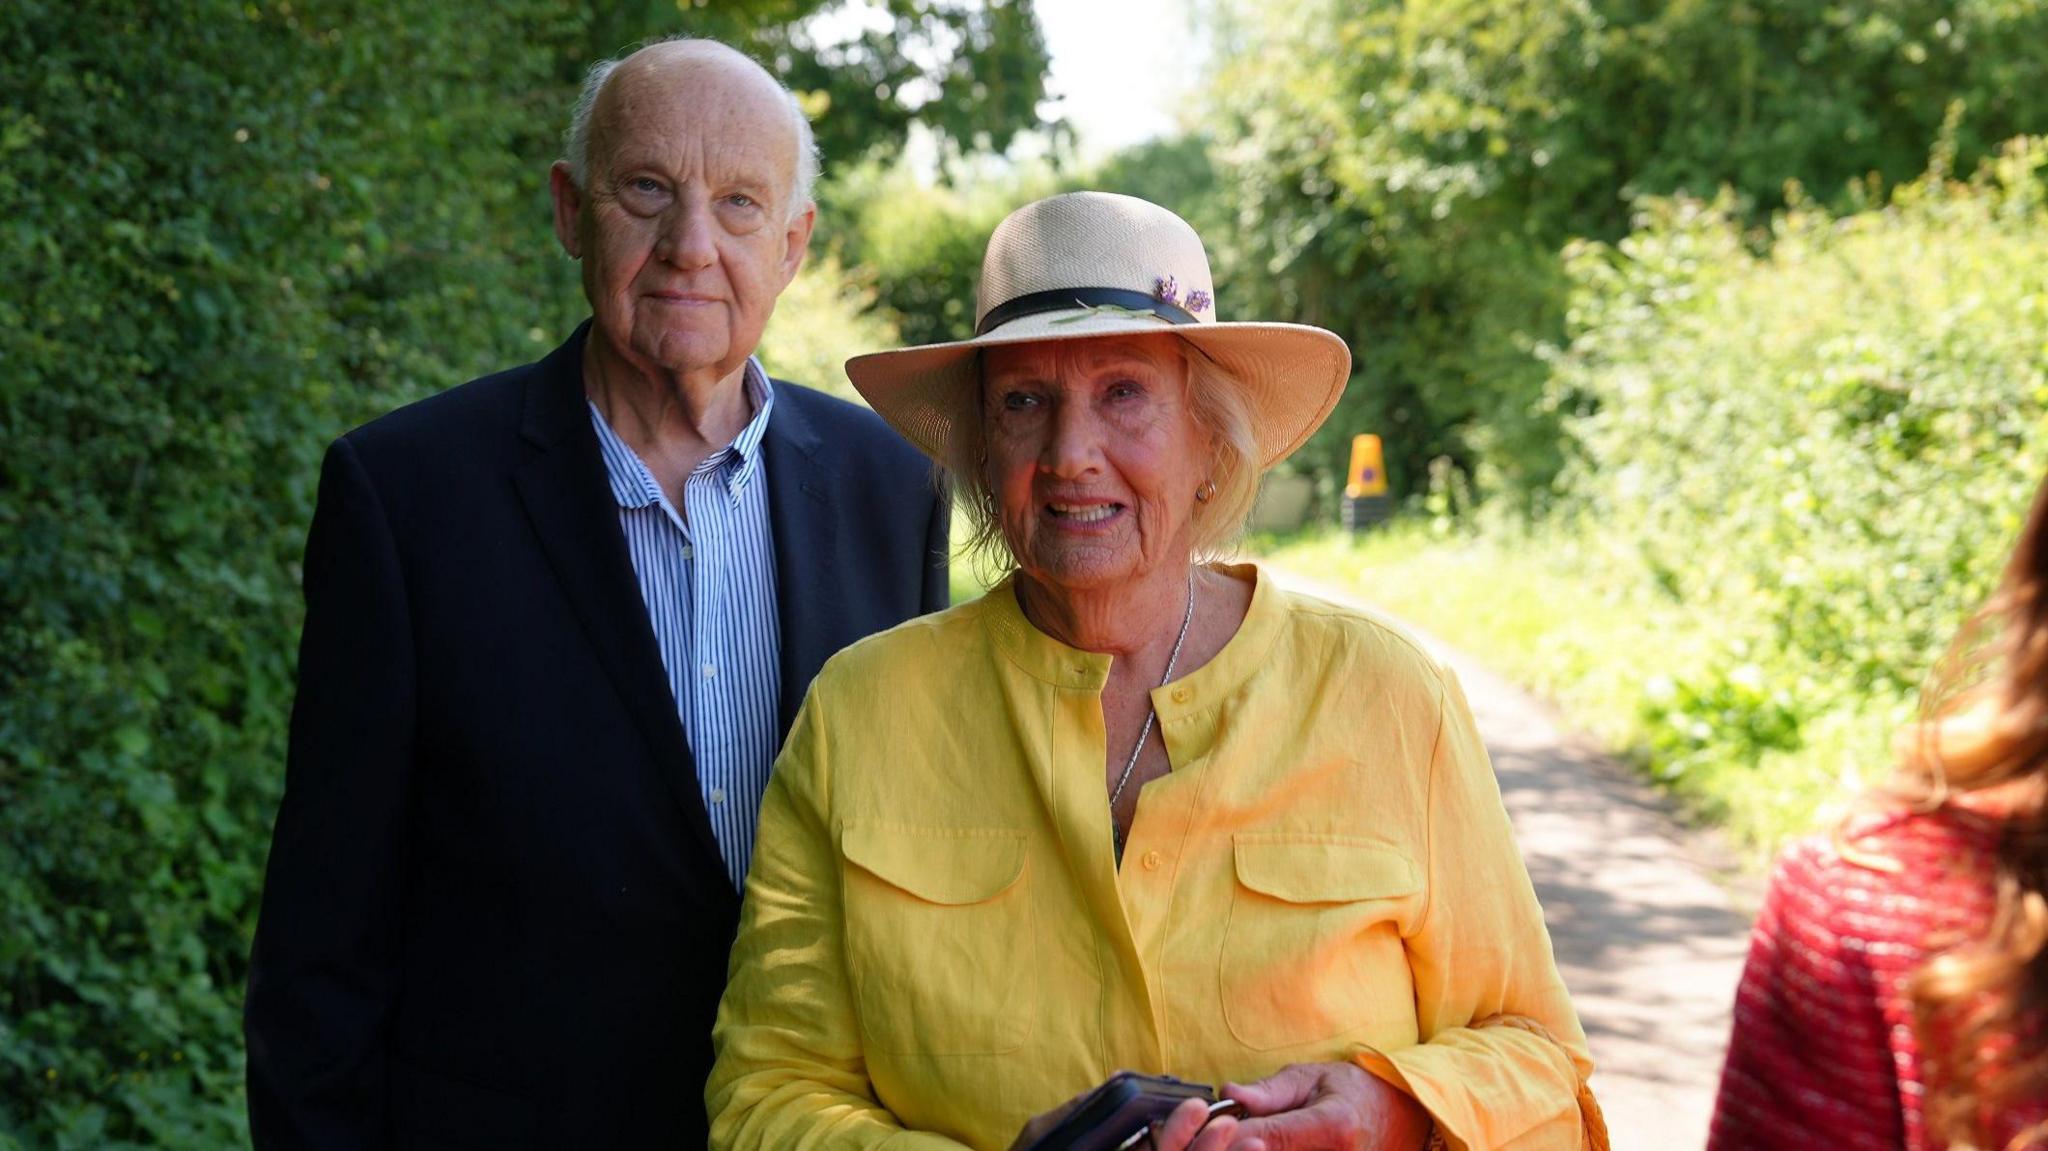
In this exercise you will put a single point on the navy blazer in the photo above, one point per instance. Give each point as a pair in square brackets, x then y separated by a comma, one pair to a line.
[495, 914]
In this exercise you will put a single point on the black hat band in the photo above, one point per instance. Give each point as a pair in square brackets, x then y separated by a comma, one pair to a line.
[1067, 299]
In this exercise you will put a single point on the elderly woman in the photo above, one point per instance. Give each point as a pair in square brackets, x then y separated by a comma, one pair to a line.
[1133, 809]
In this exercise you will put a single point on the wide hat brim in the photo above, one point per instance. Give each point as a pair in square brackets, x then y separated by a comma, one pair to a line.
[1290, 375]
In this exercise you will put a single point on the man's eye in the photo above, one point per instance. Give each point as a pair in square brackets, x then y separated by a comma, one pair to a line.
[646, 185]
[740, 200]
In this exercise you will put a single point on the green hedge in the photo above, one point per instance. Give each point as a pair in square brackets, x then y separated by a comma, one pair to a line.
[224, 239]
[1842, 434]
[1820, 443]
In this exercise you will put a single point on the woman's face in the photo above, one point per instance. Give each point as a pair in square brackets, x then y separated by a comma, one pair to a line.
[1093, 457]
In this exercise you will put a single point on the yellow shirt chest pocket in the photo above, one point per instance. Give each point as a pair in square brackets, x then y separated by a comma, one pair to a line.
[938, 938]
[1312, 949]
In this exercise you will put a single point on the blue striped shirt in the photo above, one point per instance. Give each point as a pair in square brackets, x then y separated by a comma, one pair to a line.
[707, 574]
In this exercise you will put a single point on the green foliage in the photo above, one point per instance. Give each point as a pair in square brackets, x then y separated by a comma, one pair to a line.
[226, 241]
[1407, 173]
[1840, 435]
[923, 241]
[824, 317]
[226, 237]
[1179, 174]
[972, 71]
[1737, 714]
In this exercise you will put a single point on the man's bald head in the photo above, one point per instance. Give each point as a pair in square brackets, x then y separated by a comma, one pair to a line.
[686, 200]
[703, 58]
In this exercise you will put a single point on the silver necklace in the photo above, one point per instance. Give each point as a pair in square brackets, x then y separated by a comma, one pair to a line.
[1144, 733]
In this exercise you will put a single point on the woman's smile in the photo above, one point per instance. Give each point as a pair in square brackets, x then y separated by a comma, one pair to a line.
[1080, 516]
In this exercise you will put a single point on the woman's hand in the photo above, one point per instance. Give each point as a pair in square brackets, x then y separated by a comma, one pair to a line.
[1310, 1106]
[1189, 1128]
[1301, 1107]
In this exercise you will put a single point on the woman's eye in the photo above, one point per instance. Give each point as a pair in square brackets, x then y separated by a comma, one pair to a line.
[1018, 401]
[1125, 389]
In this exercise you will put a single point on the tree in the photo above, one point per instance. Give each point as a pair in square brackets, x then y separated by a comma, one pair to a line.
[1408, 172]
[972, 71]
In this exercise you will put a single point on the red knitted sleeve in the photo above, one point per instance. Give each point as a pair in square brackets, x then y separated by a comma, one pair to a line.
[1812, 1059]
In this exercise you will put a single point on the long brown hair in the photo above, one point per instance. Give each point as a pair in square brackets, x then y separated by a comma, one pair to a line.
[1981, 1008]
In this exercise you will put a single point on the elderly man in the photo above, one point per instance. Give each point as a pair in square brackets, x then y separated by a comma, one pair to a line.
[558, 620]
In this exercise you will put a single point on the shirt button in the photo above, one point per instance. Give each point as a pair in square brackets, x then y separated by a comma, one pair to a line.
[1180, 695]
[1152, 860]
[718, 795]
[710, 669]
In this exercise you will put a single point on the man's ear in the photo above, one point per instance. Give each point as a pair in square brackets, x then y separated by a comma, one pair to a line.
[568, 208]
[797, 241]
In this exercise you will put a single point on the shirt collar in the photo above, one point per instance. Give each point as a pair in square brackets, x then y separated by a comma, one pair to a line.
[747, 445]
[1045, 658]
[633, 485]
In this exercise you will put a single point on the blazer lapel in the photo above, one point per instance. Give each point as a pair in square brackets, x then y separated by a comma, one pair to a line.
[800, 487]
[568, 499]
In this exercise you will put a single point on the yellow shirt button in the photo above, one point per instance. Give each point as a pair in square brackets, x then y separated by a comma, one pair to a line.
[1152, 860]
[1180, 694]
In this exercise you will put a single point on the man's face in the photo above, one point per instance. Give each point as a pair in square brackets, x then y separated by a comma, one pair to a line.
[685, 227]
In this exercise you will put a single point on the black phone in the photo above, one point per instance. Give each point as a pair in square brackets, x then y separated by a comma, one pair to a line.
[1120, 1113]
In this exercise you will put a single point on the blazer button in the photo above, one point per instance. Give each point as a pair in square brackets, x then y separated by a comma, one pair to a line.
[1152, 860]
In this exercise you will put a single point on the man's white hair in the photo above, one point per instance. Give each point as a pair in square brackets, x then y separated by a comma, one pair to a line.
[578, 136]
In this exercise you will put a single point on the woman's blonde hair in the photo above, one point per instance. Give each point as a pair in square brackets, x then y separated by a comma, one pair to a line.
[1216, 400]
[1981, 1008]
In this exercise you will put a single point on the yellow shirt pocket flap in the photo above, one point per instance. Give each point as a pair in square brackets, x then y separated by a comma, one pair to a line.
[949, 866]
[1313, 947]
[1314, 869]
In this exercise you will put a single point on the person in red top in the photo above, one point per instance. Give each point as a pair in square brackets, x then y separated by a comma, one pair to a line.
[1896, 993]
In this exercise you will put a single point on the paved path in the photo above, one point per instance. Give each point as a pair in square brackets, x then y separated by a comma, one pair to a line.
[1648, 935]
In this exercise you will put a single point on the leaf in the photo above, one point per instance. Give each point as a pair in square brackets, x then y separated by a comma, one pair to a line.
[132, 742]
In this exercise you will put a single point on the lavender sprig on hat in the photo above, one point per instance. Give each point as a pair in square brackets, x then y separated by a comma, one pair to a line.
[1168, 289]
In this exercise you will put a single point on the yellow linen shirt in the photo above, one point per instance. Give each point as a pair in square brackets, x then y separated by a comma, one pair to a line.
[937, 944]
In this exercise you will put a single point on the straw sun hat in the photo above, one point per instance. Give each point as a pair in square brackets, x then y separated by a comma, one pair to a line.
[1091, 264]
